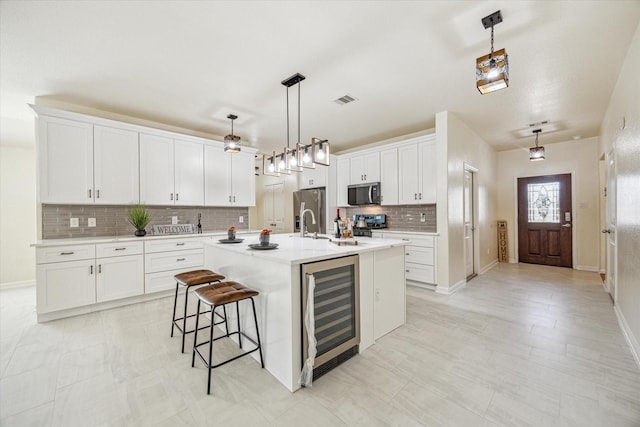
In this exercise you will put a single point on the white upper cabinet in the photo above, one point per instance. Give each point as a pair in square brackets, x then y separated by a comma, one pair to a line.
[156, 170]
[313, 178]
[116, 172]
[389, 176]
[188, 173]
[365, 168]
[171, 171]
[428, 187]
[417, 173]
[229, 178]
[66, 161]
[342, 181]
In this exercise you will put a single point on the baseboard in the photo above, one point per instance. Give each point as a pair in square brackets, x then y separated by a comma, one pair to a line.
[634, 346]
[587, 268]
[513, 261]
[19, 284]
[489, 267]
[451, 290]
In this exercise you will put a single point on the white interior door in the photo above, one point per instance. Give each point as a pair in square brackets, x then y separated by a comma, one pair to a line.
[469, 227]
[610, 202]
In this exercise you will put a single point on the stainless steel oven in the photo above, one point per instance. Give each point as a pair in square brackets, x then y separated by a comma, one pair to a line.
[336, 311]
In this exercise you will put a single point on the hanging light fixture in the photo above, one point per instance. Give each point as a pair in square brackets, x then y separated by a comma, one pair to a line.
[289, 154]
[232, 142]
[536, 153]
[492, 70]
[320, 151]
[269, 164]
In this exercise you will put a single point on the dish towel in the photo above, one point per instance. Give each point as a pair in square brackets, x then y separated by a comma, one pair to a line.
[306, 376]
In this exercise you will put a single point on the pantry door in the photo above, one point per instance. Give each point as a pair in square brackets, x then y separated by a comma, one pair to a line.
[545, 220]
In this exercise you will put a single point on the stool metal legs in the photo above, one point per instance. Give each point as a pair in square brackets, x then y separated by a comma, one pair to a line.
[209, 362]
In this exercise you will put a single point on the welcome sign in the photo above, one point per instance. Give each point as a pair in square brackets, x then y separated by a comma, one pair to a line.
[173, 229]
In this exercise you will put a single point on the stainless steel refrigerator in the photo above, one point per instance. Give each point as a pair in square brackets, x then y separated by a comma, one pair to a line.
[314, 199]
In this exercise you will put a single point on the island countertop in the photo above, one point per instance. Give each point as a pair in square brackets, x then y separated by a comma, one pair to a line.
[293, 250]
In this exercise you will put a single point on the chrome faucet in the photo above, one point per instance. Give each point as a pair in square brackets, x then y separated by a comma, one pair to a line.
[303, 227]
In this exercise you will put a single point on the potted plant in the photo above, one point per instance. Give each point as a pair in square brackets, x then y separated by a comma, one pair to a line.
[264, 237]
[139, 217]
[231, 233]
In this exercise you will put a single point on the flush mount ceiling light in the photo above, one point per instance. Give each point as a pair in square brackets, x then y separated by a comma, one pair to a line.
[536, 153]
[492, 70]
[231, 141]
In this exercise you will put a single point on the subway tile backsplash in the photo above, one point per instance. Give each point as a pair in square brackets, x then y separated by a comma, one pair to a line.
[112, 220]
[401, 217]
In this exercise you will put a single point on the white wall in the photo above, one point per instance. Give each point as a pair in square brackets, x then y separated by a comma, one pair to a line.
[578, 157]
[17, 213]
[457, 145]
[624, 107]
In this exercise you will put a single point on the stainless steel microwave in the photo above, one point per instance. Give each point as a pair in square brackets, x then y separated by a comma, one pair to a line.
[364, 194]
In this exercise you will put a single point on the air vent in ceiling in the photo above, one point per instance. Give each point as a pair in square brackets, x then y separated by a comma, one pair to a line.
[344, 100]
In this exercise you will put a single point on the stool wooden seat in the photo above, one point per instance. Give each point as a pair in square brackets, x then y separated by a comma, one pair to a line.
[214, 296]
[187, 280]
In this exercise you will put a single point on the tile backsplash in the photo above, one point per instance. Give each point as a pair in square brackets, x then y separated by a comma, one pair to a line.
[112, 220]
[401, 217]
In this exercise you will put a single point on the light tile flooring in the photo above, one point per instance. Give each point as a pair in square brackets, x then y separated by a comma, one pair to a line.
[522, 345]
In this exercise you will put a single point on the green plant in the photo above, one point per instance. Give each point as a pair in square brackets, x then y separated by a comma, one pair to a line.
[139, 216]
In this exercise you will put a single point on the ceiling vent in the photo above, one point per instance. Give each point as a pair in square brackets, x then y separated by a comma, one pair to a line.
[344, 100]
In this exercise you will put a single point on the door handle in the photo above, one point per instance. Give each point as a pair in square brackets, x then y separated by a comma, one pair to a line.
[567, 225]
[606, 231]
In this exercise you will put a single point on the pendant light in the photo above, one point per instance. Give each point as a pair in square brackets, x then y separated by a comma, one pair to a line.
[290, 154]
[269, 164]
[232, 142]
[492, 70]
[536, 153]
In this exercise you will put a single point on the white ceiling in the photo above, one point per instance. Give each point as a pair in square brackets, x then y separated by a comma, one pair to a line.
[191, 63]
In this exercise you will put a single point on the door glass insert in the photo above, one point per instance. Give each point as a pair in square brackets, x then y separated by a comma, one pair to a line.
[543, 202]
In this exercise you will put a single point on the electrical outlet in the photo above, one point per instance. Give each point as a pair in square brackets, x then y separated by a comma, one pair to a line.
[91, 222]
[174, 220]
[423, 217]
[74, 222]
[241, 219]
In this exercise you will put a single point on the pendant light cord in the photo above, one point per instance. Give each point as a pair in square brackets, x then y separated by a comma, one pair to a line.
[298, 112]
[491, 54]
[287, 116]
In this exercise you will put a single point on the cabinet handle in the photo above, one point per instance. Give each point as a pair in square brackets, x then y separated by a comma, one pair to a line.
[407, 253]
[406, 240]
[171, 196]
[99, 268]
[420, 196]
[67, 253]
[177, 196]
[181, 259]
[406, 271]
[120, 249]
[234, 199]
[97, 194]
[365, 176]
[415, 196]
[180, 244]
[89, 193]
[91, 269]
[229, 199]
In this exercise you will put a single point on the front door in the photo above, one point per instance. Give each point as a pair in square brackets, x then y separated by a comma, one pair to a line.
[545, 220]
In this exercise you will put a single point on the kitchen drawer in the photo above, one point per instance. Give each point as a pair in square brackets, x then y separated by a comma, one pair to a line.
[419, 255]
[419, 272]
[47, 255]
[165, 261]
[165, 245]
[162, 280]
[104, 250]
[415, 239]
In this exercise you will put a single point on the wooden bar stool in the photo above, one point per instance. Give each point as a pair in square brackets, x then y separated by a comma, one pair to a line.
[189, 279]
[214, 296]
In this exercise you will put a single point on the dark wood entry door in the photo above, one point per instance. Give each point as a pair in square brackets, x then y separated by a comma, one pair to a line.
[545, 220]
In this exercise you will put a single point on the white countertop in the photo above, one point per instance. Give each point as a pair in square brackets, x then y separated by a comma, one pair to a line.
[115, 239]
[387, 230]
[292, 249]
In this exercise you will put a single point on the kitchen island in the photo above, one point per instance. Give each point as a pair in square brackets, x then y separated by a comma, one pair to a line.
[276, 274]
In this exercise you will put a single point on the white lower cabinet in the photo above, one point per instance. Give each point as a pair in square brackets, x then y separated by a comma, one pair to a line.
[420, 258]
[164, 259]
[119, 277]
[63, 285]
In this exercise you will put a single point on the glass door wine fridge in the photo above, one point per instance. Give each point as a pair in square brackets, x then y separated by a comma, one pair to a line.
[332, 287]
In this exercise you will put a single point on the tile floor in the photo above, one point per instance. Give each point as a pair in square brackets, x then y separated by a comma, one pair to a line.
[522, 345]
